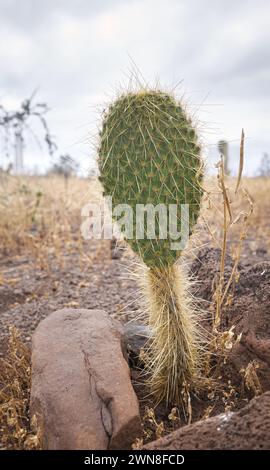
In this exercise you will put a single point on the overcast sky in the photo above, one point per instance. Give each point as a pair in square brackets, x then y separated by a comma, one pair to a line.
[80, 52]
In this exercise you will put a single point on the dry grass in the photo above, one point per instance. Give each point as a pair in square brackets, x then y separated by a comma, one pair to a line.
[41, 216]
[153, 428]
[15, 379]
[253, 194]
[234, 215]
[250, 378]
[230, 208]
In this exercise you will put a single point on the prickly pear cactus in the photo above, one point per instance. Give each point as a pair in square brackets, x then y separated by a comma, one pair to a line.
[149, 154]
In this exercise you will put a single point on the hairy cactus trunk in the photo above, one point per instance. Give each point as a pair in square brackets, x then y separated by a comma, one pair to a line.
[174, 352]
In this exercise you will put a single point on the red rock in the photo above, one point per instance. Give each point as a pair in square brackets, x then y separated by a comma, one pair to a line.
[81, 390]
[246, 429]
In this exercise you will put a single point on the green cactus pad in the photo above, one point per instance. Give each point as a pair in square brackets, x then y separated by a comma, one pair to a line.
[149, 154]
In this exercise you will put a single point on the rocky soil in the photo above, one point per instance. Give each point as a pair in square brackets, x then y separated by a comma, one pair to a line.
[28, 294]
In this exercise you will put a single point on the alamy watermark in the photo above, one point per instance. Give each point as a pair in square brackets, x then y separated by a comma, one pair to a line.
[147, 221]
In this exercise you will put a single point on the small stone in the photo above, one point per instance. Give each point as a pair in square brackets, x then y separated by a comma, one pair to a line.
[136, 337]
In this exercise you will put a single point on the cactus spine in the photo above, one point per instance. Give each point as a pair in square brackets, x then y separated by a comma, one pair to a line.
[149, 154]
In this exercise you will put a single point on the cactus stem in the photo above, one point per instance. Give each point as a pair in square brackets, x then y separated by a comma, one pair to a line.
[175, 352]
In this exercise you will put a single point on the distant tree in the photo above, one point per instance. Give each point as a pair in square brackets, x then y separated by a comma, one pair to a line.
[223, 148]
[66, 166]
[264, 168]
[92, 172]
[15, 124]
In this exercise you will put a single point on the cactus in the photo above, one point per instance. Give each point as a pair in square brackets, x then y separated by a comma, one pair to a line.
[223, 148]
[149, 154]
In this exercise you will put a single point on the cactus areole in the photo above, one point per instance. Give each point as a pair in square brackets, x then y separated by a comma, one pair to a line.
[149, 154]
